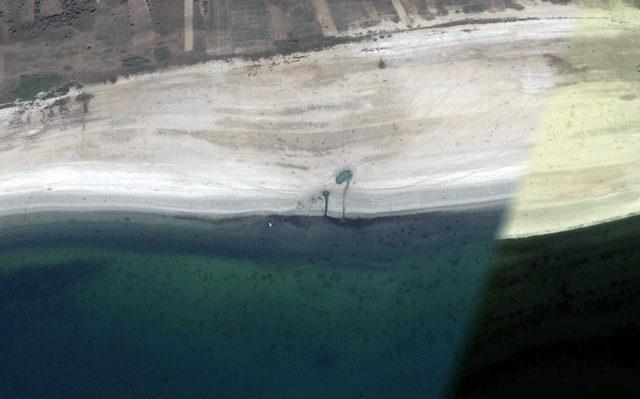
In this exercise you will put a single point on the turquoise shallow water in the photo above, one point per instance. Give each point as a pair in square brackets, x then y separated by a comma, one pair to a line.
[132, 306]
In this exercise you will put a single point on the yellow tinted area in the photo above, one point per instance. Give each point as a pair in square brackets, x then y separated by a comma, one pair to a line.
[585, 165]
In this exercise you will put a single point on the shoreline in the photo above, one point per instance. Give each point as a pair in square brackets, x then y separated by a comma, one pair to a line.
[358, 206]
[506, 237]
[377, 240]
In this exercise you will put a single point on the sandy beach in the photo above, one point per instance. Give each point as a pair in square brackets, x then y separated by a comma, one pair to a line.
[458, 117]
[426, 119]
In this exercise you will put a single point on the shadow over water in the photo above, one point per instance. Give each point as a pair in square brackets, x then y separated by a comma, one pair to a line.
[560, 318]
[116, 305]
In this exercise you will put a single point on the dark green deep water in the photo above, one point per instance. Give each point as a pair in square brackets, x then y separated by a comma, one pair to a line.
[134, 306]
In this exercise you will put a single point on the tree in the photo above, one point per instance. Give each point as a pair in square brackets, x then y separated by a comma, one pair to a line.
[344, 177]
[325, 194]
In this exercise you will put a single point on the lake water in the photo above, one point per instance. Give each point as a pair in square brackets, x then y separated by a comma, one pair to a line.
[117, 305]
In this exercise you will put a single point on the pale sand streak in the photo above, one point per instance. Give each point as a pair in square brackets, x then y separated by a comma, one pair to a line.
[27, 12]
[439, 127]
[188, 25]
[370, 9]
[431, 6]
[278, 23]
[402, 14]
[324, 17]
[143, 32]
